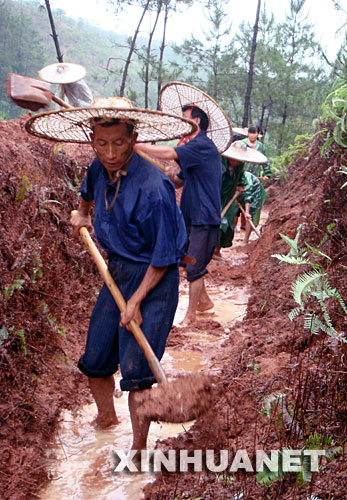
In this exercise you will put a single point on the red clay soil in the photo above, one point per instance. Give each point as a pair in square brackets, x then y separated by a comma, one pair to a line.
[48, 286]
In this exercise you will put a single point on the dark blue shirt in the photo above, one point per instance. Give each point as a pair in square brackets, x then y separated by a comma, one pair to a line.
[201, 170]
[145, 223]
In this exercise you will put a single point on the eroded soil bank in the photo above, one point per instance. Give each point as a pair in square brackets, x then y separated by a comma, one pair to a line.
[48, 286]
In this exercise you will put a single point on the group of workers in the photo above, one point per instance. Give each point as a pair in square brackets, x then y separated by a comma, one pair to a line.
[146, 236]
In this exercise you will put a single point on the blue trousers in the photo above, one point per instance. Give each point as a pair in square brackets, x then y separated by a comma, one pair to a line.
[109, 345]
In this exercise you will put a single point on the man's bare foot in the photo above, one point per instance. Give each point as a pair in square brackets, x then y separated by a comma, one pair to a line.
[105, 422]
[217, 256]
[205, 306]
[189, 319]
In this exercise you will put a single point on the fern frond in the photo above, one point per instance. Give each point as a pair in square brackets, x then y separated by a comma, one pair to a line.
[333, 293]
[304, 283]
[325, 312]
[314, 324]
[291, 259]
[295, 312]
[333, 452]
[267, 477]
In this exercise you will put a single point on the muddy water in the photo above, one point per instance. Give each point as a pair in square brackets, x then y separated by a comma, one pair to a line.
[82, 465]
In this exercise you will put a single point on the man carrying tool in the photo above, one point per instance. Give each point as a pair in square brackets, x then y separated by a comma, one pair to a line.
[200, 176]
[139, 225]
[234, 181]
[252, 200]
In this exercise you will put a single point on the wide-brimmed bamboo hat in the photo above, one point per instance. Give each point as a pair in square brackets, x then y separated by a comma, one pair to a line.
[174, 95]
[62, 73]
[75, 124]
[240, 131]
[245, 154]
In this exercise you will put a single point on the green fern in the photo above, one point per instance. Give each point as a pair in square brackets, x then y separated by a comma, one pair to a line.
[290, 259]
[295, 312]
[304, 284]
[314, 324]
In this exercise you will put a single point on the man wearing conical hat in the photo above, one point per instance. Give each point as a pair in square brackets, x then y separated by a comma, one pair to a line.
[142, 231]
[200, 176]
[234, 179]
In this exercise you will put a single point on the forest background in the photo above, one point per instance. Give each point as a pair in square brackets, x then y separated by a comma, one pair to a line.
[271, 73]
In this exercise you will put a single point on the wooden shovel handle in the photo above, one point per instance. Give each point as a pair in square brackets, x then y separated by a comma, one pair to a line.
[153, 362]
[227, 206]
[251, 223]
[59, 101]
[152, 160]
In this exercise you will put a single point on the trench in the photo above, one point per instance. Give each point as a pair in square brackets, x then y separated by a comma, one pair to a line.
[81, 462]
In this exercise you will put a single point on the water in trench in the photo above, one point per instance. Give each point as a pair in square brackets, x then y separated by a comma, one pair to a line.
[82, 465]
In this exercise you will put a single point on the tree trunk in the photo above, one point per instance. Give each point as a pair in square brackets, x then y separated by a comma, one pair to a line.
[264, 130]
[161, 53]
[54, 33]
[251, 70]
[131, 51]
[148, 54]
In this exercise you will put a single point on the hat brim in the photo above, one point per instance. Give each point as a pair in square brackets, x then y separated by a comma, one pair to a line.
[73, 125]
[240, 131]
[249, 155]
[71, 73]
[174, 95]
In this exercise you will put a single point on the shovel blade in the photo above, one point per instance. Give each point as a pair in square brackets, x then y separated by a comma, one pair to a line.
[28, 93]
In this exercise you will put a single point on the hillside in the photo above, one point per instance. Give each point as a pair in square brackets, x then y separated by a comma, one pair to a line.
[48, 286]
[27, 46]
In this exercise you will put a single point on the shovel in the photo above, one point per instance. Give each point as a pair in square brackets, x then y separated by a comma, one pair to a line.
[251, 223]
[30, 93]
[180, 400]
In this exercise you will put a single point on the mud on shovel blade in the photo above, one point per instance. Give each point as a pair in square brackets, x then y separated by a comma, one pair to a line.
[30, 93]
[179, 400]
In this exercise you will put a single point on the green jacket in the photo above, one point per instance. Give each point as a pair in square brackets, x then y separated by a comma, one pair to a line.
[229, 185]
[255, 195]
[255, 168]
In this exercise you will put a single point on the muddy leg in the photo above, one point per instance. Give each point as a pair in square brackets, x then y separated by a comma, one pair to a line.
[205, 302]
[140, 427]
[248, 232]
[243, 222]
[195, 288]
[102, 390]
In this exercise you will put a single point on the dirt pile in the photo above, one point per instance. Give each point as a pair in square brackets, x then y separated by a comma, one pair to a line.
[280, 385]
[47, 286]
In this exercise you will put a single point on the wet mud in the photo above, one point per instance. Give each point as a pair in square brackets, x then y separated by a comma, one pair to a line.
[247, 345]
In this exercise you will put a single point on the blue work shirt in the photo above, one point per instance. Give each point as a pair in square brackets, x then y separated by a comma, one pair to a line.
[202, 173]
[145, 223]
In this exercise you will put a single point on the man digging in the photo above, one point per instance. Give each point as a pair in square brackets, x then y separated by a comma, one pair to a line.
[140, 227]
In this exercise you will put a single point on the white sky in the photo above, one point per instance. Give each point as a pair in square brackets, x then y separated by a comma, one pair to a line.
[320, 13]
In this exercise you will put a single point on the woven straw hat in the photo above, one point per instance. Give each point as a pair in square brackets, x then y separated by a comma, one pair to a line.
[174, 95]
[240, 131]
[240, 151]
[62, 73]
[75, 124]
